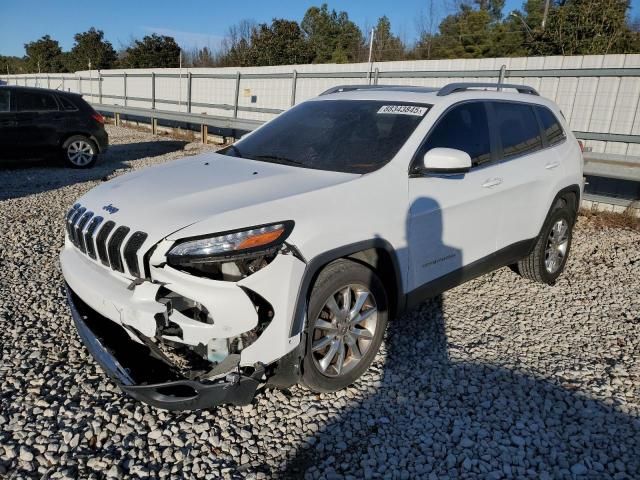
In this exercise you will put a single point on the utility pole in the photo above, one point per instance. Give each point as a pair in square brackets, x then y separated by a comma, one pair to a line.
[546, 13]
[371, 54]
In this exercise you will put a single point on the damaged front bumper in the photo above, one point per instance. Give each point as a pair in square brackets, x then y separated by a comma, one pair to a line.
[147, 378]
[146, 336]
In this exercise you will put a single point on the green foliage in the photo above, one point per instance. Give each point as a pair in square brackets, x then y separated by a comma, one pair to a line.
[331, 36]
[91, 47]
[386, 46]
[473, 29]
[44, 55]
[280, 43]
[11, 65]
[153, 51]
[584, 27]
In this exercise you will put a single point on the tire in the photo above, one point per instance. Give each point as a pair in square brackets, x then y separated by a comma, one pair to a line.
[79, 151]
[331, 328]
[546, 261]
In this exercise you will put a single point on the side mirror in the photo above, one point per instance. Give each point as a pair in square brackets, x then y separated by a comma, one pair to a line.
[446, 160]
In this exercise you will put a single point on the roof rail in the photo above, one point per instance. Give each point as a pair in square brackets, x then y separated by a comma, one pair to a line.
[395, 88]
[348, 88]
[461, 87]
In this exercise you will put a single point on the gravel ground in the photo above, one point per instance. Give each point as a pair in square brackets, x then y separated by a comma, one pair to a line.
[499, 378]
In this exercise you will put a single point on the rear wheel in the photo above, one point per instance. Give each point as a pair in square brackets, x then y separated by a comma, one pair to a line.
[549, 256]
[80, 152]
[347, 317]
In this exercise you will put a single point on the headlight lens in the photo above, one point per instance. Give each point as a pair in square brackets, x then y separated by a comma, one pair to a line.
[225, 245]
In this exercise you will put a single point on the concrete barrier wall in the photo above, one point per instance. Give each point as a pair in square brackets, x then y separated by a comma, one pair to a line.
[598, 100]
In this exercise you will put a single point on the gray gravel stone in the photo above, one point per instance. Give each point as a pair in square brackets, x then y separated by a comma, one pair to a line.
[497, 378]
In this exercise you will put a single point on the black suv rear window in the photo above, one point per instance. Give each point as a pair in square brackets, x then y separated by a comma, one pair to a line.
[66, 104]
[35, 101]
[353, 136]
[550, 125]
[5, 102]
[518, 128]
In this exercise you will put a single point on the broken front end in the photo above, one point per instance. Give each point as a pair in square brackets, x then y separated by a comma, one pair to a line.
[185, 324]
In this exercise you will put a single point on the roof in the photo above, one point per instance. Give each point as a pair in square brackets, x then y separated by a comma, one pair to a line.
[448, 94]
[39, 89]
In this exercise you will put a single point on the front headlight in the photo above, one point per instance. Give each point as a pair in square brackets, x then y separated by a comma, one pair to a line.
[223, 247]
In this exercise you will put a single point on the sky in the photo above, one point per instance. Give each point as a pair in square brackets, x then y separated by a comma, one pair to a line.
[191, 22]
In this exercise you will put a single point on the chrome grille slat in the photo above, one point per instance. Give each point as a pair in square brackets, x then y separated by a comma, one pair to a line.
[79, 230]
[74, 220]
[88, 236]
[114, 248]
[105, 241]
[131, 252]
[101, 241]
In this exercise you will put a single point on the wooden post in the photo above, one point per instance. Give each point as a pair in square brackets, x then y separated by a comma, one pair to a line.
[154, 126]
[117, 118]
[204, 133]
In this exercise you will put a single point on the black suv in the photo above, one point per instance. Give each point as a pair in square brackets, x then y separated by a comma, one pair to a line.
[34, 121]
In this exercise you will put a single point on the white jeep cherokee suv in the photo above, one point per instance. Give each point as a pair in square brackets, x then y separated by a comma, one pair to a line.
[281, 258]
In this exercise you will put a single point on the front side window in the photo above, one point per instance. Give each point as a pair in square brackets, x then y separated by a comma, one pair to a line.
[352, 136]
[517, 128]
[35, 102]
[465, 127]
[550, 125]
[5, 100]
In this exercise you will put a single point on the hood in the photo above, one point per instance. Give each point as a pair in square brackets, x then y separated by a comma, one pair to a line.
[162, 199]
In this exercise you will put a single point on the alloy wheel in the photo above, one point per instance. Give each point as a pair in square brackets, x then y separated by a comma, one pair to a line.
[80, 153]
[344, 330]
[557, 244]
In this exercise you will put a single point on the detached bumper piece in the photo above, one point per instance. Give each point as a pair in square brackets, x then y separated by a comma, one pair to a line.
[148, 378]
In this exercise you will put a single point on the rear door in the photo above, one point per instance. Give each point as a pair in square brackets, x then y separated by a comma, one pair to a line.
[526, 169]
[7, 123]
[37, 120]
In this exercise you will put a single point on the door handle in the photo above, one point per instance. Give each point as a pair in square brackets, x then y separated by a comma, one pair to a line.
[552, 165]
[492, 182]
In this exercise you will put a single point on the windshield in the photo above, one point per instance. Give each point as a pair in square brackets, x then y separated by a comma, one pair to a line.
[352, 136]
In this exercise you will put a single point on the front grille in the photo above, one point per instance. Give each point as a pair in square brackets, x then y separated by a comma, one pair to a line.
[103, 241]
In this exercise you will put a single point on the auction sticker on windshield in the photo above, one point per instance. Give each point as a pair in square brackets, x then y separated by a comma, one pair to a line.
[403, 110]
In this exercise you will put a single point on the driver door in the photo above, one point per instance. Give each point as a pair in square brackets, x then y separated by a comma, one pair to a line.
[453, 218]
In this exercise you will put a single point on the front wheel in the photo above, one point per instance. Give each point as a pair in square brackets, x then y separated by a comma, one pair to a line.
[347, 317]
[80, 152]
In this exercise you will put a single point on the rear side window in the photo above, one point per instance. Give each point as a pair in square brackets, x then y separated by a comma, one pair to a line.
[66, 104]
[5, 100]
[35, 102]
[550, 126]
[465, 127]
[517, 128]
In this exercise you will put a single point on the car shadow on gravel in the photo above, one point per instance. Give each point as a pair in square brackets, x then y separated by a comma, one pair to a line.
[450, 418]
[22, 177]
[434, 414]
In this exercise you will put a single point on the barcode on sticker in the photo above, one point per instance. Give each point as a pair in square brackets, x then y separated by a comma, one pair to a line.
[403, 110]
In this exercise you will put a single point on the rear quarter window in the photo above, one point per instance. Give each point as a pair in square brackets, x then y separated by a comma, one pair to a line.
[551, 127]
[67, 104]
[518, 128]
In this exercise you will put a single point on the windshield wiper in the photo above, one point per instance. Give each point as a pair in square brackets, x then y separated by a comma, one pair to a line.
[276, 159]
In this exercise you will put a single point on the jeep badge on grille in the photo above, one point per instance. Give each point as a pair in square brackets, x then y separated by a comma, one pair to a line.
[110, 208]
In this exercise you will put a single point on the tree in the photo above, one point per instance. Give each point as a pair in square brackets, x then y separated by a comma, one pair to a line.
[201, 57]
[153, 51]
[44, 55]
[90, 46]
[280, 43]
[332, 37]
[582, 27]
[236, 45]
[386, 46]
[10, 65]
